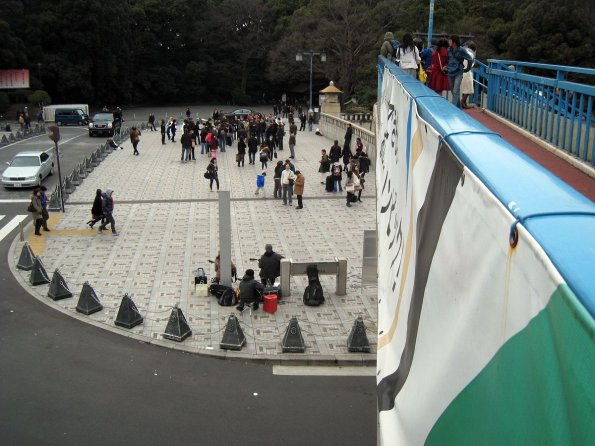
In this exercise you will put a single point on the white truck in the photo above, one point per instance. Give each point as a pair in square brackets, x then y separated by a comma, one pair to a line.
[49, 111]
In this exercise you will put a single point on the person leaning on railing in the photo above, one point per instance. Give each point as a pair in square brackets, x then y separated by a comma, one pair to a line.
[456, 56]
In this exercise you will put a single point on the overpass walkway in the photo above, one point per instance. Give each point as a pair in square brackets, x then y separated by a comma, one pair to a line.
[577, 178]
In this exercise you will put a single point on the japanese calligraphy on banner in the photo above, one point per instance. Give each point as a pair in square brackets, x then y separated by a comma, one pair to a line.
[467, 323]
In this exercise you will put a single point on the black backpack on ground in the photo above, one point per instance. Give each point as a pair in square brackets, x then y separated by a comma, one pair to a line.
[217, 290]
[329, 184]
[228, 298]
[313, 294]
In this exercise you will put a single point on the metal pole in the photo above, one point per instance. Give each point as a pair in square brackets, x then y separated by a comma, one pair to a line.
[59, 177]
[431, 23]
[311, 57]
[224, 238]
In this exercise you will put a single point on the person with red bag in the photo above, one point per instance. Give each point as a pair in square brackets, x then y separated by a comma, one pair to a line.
[439, 76]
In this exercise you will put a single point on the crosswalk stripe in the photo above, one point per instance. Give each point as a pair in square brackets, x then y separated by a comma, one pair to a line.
[1, 217]
[7, 229]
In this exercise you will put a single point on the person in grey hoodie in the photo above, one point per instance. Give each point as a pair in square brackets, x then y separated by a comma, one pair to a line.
[107, 204]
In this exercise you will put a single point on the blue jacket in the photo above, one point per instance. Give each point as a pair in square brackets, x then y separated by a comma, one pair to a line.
[455, 61]
[426, 58]
[260, 180]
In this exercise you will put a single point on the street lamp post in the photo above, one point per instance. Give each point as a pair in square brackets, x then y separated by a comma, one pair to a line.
[54, 135]
[430, 23]
[299, 57]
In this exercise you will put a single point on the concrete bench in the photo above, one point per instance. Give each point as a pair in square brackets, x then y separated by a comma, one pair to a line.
[338, 267]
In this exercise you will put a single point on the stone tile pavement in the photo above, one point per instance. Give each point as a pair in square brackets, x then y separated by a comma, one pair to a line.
[168, 224]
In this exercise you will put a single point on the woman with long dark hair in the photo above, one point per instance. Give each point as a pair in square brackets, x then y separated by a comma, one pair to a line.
[408, 56]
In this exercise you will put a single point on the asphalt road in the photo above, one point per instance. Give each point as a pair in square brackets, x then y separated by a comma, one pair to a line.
[63, 382]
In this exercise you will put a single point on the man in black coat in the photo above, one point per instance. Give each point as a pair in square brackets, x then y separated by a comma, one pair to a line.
[348, 134]
[335, 152]
[270, 265]
[250, 291]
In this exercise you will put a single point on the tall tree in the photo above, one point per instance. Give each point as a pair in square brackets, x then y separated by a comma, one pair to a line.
[347, 30]
[553, 32]
[241, 37]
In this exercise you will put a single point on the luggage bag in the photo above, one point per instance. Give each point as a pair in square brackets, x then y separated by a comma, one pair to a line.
[329, 183]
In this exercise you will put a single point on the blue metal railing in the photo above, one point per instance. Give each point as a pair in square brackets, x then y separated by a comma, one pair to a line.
[513, 177]
[544, 102]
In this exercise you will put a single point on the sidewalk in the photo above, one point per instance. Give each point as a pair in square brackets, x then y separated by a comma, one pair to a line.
[168, 224]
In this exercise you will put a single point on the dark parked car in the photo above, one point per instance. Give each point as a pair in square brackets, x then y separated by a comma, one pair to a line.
[65, 116]
[240, 112]
[105, 123]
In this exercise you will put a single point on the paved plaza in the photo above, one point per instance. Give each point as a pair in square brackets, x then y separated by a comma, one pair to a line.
[167, 221]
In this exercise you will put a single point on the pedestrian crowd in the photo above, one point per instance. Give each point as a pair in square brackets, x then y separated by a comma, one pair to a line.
[444, 65]
[261, 137]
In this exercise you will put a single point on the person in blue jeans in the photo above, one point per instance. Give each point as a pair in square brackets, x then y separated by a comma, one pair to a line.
[455, 67]
[336, 173]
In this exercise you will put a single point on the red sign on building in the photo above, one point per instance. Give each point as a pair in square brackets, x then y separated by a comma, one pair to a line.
[13, 79]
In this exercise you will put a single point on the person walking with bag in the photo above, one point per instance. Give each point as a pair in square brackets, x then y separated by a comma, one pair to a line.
[107, 205]
[213, 172]
[264, 156]
[408, 56]
[135, 139]
[439, 71]
[44, 208]
[96, 210]
[35, 209]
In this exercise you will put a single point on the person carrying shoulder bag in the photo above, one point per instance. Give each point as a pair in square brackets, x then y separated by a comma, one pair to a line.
[36, 210]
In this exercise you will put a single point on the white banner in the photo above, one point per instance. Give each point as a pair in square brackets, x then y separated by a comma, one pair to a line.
[451, 289]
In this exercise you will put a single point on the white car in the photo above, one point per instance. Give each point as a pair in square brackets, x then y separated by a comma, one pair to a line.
[28, 169]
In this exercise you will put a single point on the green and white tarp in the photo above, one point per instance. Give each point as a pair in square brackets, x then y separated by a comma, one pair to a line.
[481, 340]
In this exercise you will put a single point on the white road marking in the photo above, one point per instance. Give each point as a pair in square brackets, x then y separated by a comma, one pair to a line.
[43, 134]
[1, 217]
[16, 200]
[7, 229]
[323, 370]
